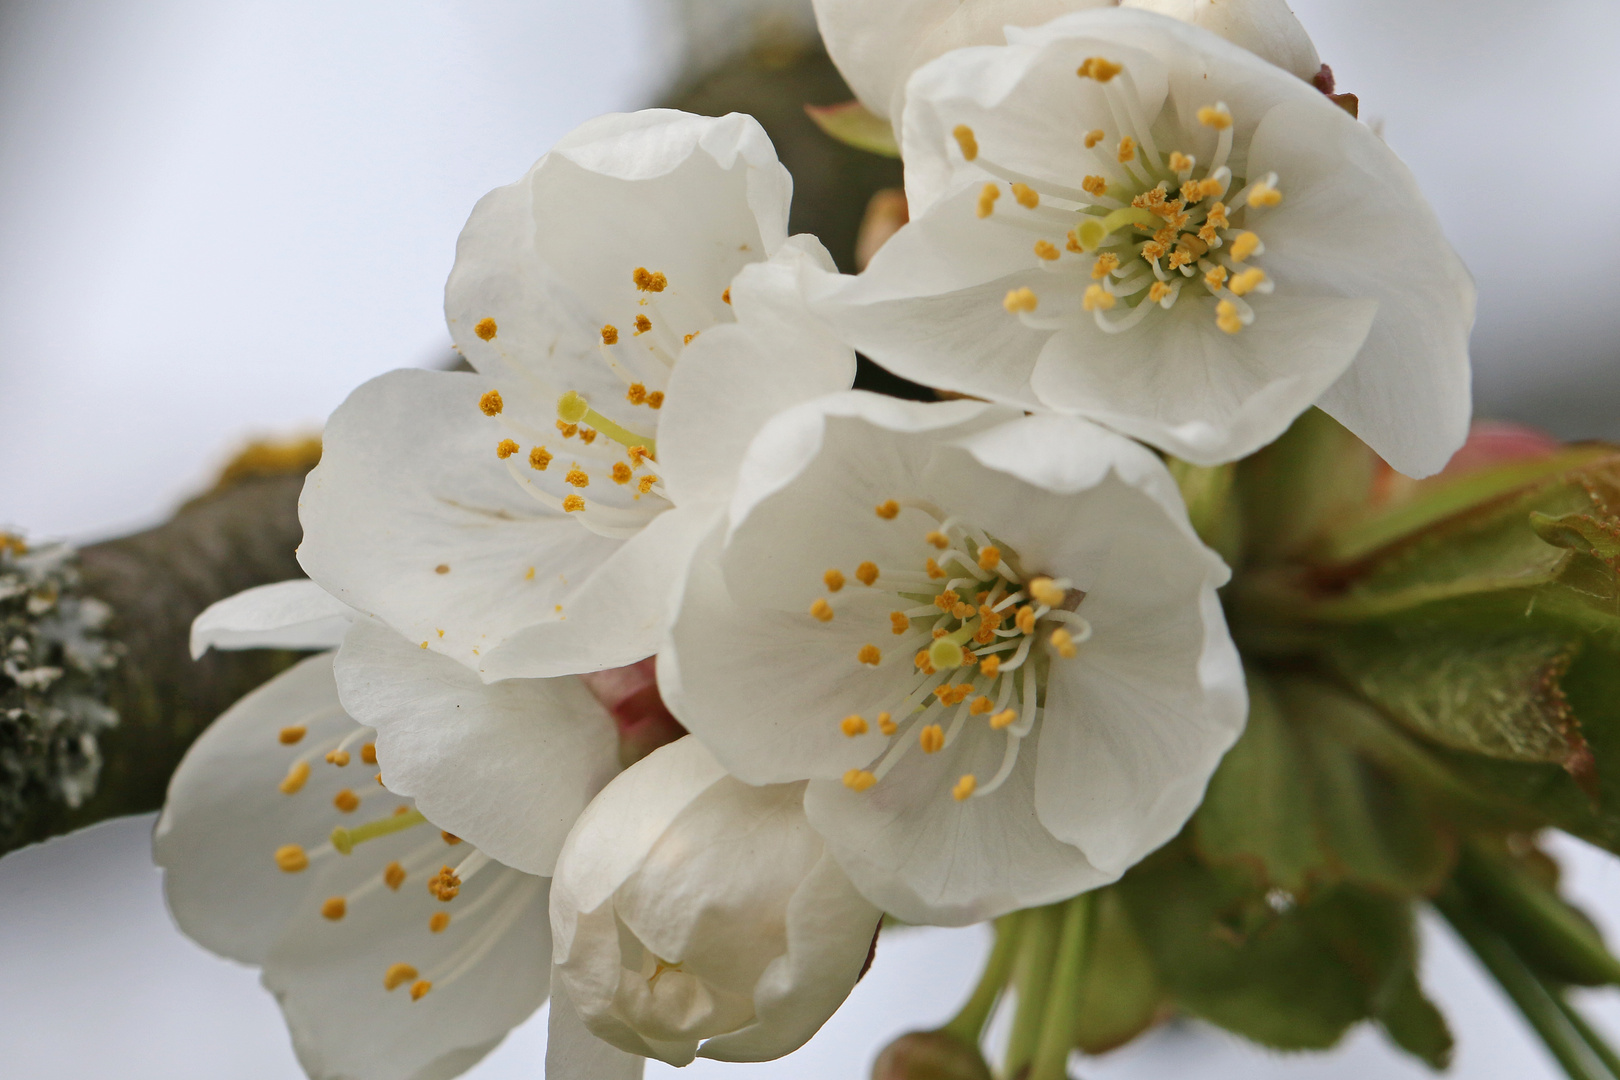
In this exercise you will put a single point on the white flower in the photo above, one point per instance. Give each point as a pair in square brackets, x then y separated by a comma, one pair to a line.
[1125, 217]
[878, 46]
[518, 520]
[694, 914]
[991, 643]
[394, 952]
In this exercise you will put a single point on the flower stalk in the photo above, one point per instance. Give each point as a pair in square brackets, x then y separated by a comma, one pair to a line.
[968, 1024]
[1062, 1013]
[1032, 980]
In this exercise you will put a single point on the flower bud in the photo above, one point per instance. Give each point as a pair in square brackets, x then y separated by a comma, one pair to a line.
[930, 1055]
[1267, 28]
[695, 914]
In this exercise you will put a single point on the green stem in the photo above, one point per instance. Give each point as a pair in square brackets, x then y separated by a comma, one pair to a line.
[1032, 972]
[1499, 888]
[1062, 1013]
[1540, 1008]
[968, 1024]
[1589, 1034]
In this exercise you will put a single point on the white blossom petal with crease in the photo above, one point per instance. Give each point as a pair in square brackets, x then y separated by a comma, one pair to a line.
[286, 615]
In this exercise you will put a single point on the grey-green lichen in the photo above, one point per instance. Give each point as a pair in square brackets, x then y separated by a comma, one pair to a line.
[54, 667]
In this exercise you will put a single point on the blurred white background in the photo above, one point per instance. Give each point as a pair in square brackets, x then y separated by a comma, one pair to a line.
[218, 217]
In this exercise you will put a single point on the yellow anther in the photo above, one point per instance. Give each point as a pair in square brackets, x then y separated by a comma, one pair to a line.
[946, 600]
[506, 448]
[931, 738]
[1245, 245]
[401, 810]
[867, 573]
[637, 394]
[990, 666]
[1027, 196]
[438, 921]
[1152, 251]
[987, 200]
[898, 622]
[398, 975]
[610, 334]
[572, 407]
[394, 876]
[964, 139]
[944, 654]
[643, 324]
[980, 706]
[368, 753]
[921, 662]
[621, 473]
[1217, 216]
[1180, 162]
[291, 858]
[491, 403]
[1127, 150]
[645, 484]
[1106, 264]
[834, 580]
[444, 885]
[655, 400]
[1095, 137]
[1247, 281]
[933, 569]
[886, 724]
[1097, 298]
[852, 726]
[568, 430]
[1227, 317]
[940, 631]
[1215, 116]
[578, 477]
[1047, 591]
[1063, 642]
[340, 758]
[989, 557]
[294, 781]
[938, 539]
[859, 779]
[1096, 67]
[290, 735]
[653, 282]
[1179, 258]
[870, 655]
[485, 329]
[1045, 249]
[687, 338]
[1094, 185]
[962, 611]
[573, 504]
[1216, 278]
[442, 568]
[1021, 299]
[1071, 241]
[1025, 620]
[449, 837]
[638, 455]
[335, 908]
[1263, 195]
[888, 511]
[821, 610]
[346, 801]
[528, 575]
[1003, 718]
[1158, 291]
[964, 788]
[725, 297]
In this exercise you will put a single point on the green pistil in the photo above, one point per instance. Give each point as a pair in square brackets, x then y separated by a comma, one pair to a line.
[344, 839]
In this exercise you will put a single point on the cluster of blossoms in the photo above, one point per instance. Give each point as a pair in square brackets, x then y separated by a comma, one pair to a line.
[940, 660]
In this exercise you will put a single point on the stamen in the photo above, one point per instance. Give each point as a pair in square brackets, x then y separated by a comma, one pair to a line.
[346, 801]
[1047, 591]
[445, 885]
[1248, 281]
[1263, 194]
[964, 787]
[1158, 291]
[1245, 245]
[335, 908]
[506, 448]
[1097, 298]
[1021, 299]
[821, 610]
[987, 200]
[578, 477]
[1026, 196]
[1095, 137]
[1215, 116]
[867, 573]
[1094, 185]
[1179, 162]
[898, 622]
[886, 723]
[931, 738]
[859, 779]
[870, 655]
[291, 858]
[1216, 278]
[1063, 642]
[853, 726]
[888, 511]
[621, 473]
[368, 753]
[610, 334]
[419, 989]
[643, 324]
[338, 757]
[394, 875]
[964, 139]
[989, 666]
[654, 282]
[1003, 719]
[485, 329]
[290, 735]
[449, 838]
[398, 975]
[573, 504]
[296, 777]
[491, 403]
[1046, 250]
[438, 921]
[1106, 264]
[1227, 317]
[1127, 150]
[834, 580]
[989, 557]
[1096, 67]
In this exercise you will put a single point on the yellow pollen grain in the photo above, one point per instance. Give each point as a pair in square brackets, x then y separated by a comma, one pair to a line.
[821, 610]
[610, 334]
[1106, 264]
[980, 706]
[1072, 241]
[990, 666]
[1215, 116]
[1063, 642]
[964, 139]
[568, 430]
[643, 324]
[1217, 216]
[1095, 137]
[933, 569]
[931, 738]
[621, 473]
[867, 573]
[1096, 67]
[1216, 278]
[296, 777]
[987, 200]
[1263, 195]
[946, 600]
[859, 779]
[1247, 281]
[578, 477]
[1026, 196]
[725, 297]
[638, 456]
[1127, 150]
[1025, 620]
[989, 557]
[340, 758]
[438, 921]
[1045, 249]
[528, 575]
[573, 504]
[637, 394]
[419, 989]
[1046, 591]
[485, 329]
[394, 876]
[1158, 291]
[290, 735]
[442, 568]
[964, 787]
[1227, 318]
[898, 622]
[346, 801]
[655, 400]
[506, 448]
[1245, 245]
[922, 663]
[852, 726]
[1180, 162]
[445, 885]
[886, 723]
[335, 908]
[649, 282]
[1179, 258]
[491, 404]
[646, 483]
[1152, 251]
[834, 580]
[1021, 299]
[888, 511]
[1097, 298]
[962, 611]
[1003, 718]
[398, 975]
[368, 753]
[291, 858]
[1094, 185]
[938, 539]
[587, 435]
[539, 458]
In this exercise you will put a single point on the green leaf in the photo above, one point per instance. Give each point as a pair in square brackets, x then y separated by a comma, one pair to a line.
[1580, 532]
[1120, 995]
[1414, 1024]
[852, 124]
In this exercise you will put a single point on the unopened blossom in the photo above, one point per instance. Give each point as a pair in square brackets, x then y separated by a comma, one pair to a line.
[525, 520]
[1126, 217]
[990, 642]
[396, 951]
[696, 915]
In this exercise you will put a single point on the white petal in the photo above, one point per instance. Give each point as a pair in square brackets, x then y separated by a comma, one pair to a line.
[287, 615]
[573, 1053]
[1267, 28]
[507, 765]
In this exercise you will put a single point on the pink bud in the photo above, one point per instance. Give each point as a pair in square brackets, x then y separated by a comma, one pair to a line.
[630, 695]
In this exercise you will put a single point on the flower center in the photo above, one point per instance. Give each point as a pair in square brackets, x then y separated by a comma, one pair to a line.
[1151, 225]
[969, 623]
